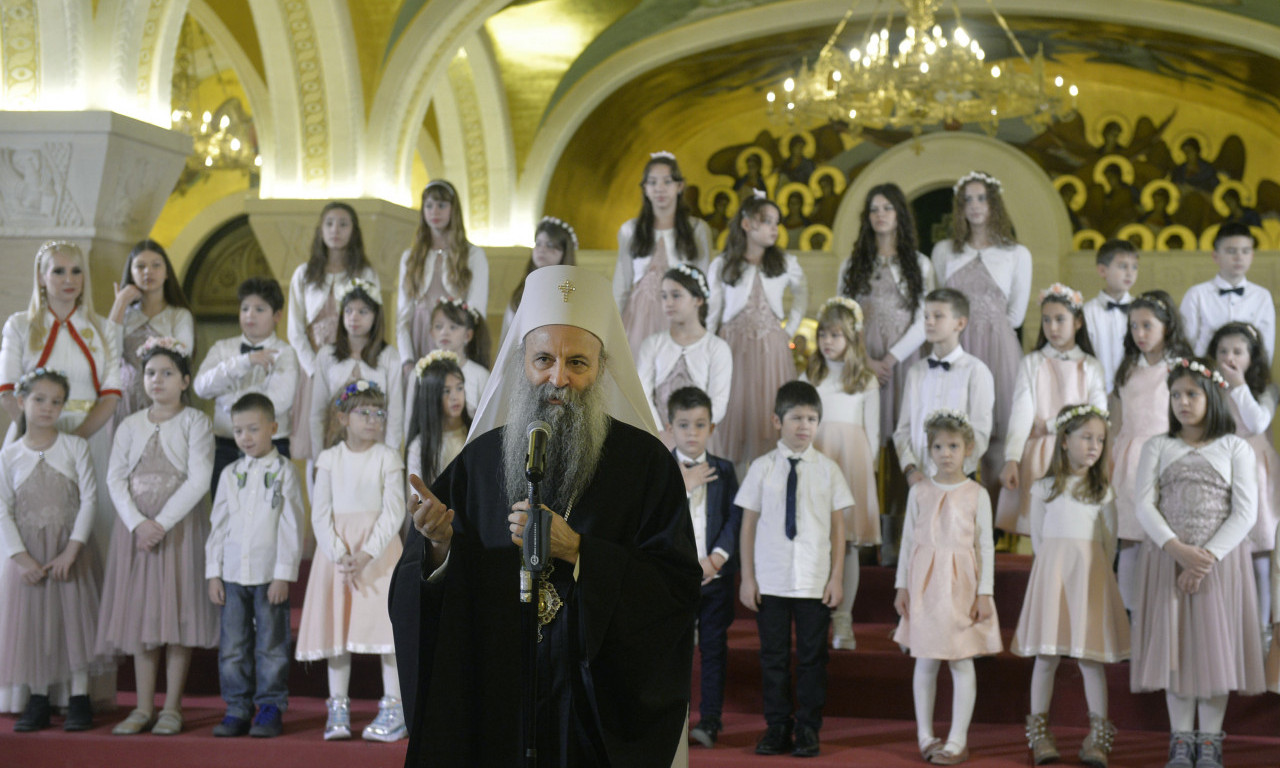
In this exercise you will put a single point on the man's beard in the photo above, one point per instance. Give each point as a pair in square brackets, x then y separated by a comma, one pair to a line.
[579, 426]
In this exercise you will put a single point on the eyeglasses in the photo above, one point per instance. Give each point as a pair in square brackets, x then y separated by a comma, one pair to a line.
[367, 413]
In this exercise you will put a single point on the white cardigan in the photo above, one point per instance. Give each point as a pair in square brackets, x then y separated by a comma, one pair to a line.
[477, 294]
[913, 337]
[69, 457]
[728, 300]
[306, 301]
[628, 270]
[709, 361]
[1009, 267]
[1022, 416]
[332, 374]
[187, 442]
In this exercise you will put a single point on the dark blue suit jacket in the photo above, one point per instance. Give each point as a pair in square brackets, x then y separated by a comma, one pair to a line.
[724, 518]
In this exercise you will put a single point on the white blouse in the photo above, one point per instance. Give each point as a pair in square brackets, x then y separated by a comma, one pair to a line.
[628, 270]
[90, 358]
[1255, 413]
[450, 447]
[474, 378]
[861, 408]
[913, 337]
[306, 301]
[187, 442]
[1009, 267]
[1067, 517]
[477, 293]
[728, 300]
[709, 361]
[1022, 416]
[332, 375]
[371, 480]
[174, 322]
[69, 457]
[1231, 457]
[984, 548]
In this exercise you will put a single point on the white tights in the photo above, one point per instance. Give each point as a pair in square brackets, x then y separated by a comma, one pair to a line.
[340, 676]
[964, 686]
[851, 574]
[1095, 684]
[79, 685]
[1262, 575]
[1127, 572]
[1183, 711]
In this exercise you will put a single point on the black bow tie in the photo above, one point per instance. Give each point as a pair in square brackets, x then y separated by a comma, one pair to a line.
[1238, 290]
[1117, 305]
[247, 348]
[943, 364]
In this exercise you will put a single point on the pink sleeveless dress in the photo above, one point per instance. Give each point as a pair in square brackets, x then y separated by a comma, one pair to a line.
[991, 339]
[761, 363]
[47, 631]
[1263, 535]
[942, 579]
[156, 598]
[1058, 383]
[1144, 413]
[323, 329]
[888, 315]
[678, 378]
[643, 316]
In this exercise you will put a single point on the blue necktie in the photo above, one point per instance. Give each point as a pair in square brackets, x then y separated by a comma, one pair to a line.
[792, 481]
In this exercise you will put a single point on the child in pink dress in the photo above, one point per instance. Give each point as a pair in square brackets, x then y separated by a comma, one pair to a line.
[849, 435]
[1072, 605]
[1195, 614]
[154, 593]
[665, 233]
[1154, 337]
[50, 617]
[747, 284]
[1060, 371]
[944, 582]
[1238, 348]
[356, 512]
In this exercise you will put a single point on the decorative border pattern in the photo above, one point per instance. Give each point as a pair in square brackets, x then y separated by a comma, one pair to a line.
[20, 29]
[462, 79]
[151, 28]
[315, 109]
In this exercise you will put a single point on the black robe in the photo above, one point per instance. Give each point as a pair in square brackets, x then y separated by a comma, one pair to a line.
[616, 663]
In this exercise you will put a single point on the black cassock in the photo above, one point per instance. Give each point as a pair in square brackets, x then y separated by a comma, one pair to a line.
[614, 665]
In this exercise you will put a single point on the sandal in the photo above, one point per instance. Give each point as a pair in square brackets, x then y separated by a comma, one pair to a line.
[168, 724]
[137, 722]
[929, 747]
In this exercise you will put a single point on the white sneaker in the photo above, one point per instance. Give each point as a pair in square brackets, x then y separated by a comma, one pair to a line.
[389, 724]
[338, 726]
[842, 634]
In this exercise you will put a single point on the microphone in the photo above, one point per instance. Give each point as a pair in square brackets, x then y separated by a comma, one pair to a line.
[535, 460]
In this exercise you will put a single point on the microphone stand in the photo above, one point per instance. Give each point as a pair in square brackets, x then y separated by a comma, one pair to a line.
[536, 555]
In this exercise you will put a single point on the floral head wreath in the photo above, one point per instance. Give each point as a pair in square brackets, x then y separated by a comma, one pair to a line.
[1064, 293]
[1203, 370]
[695, 275]
[1154, 299]
[460, 304]
[561, 223]
[1080, 410]
[847, 303]
[360, 284]
[355, 388]
[26, 379]
[759, 194]
[163, 342]
[947, 413]
[663, 155]
[436, 356]
[977, 176]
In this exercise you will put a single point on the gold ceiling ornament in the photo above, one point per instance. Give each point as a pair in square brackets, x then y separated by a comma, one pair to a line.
[223, 134]
[920, 78]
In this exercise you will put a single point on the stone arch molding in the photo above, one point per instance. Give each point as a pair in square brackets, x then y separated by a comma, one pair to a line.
[936, 160]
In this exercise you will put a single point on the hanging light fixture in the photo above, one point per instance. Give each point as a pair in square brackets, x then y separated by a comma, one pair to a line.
[925, 77]
[223, 133]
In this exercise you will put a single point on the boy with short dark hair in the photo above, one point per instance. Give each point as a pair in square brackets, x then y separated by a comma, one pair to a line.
[1107, 314]
[1229, 297]
[793, 504]
[255, 361]
[710, 484]
[251, 555]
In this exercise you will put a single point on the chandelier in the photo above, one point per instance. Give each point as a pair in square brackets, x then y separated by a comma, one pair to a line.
[924, 78]
[222, 134]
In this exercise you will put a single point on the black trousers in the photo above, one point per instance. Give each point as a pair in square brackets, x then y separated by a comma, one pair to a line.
[715, 614]
[812, 619]
[226, 452]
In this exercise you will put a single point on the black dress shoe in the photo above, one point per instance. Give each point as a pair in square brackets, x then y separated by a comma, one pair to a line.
[776, 740]
[806, 742]
[79, 714]
[35, 716]
[706, 731]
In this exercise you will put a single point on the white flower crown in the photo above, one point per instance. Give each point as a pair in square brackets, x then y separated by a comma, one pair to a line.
[1060, 291]
[948, 413]
[369, 289]
[460, 304]
[563, 225]
[163, 342]
[25, 379]
[759, 194]
[848, 304]
[1080, 410]
[663, 155]
[977, 176]
[1203, 370]
[436, 356]
[696, 275]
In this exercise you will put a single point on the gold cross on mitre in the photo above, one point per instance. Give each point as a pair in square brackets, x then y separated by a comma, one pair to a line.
[565, 289]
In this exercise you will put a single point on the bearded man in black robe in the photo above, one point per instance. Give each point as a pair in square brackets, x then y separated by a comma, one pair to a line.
[615, 658]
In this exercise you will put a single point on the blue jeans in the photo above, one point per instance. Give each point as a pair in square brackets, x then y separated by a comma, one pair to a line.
[254, 648]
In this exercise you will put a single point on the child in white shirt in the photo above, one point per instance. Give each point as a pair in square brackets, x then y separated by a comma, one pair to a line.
[1229, 297]
[1106, 316]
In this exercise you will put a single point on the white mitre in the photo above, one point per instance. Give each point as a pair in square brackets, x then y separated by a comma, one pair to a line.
[567, 295]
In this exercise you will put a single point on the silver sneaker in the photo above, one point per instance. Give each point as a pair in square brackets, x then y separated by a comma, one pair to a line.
[389, 724]
[842, 632]
[338, 726]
